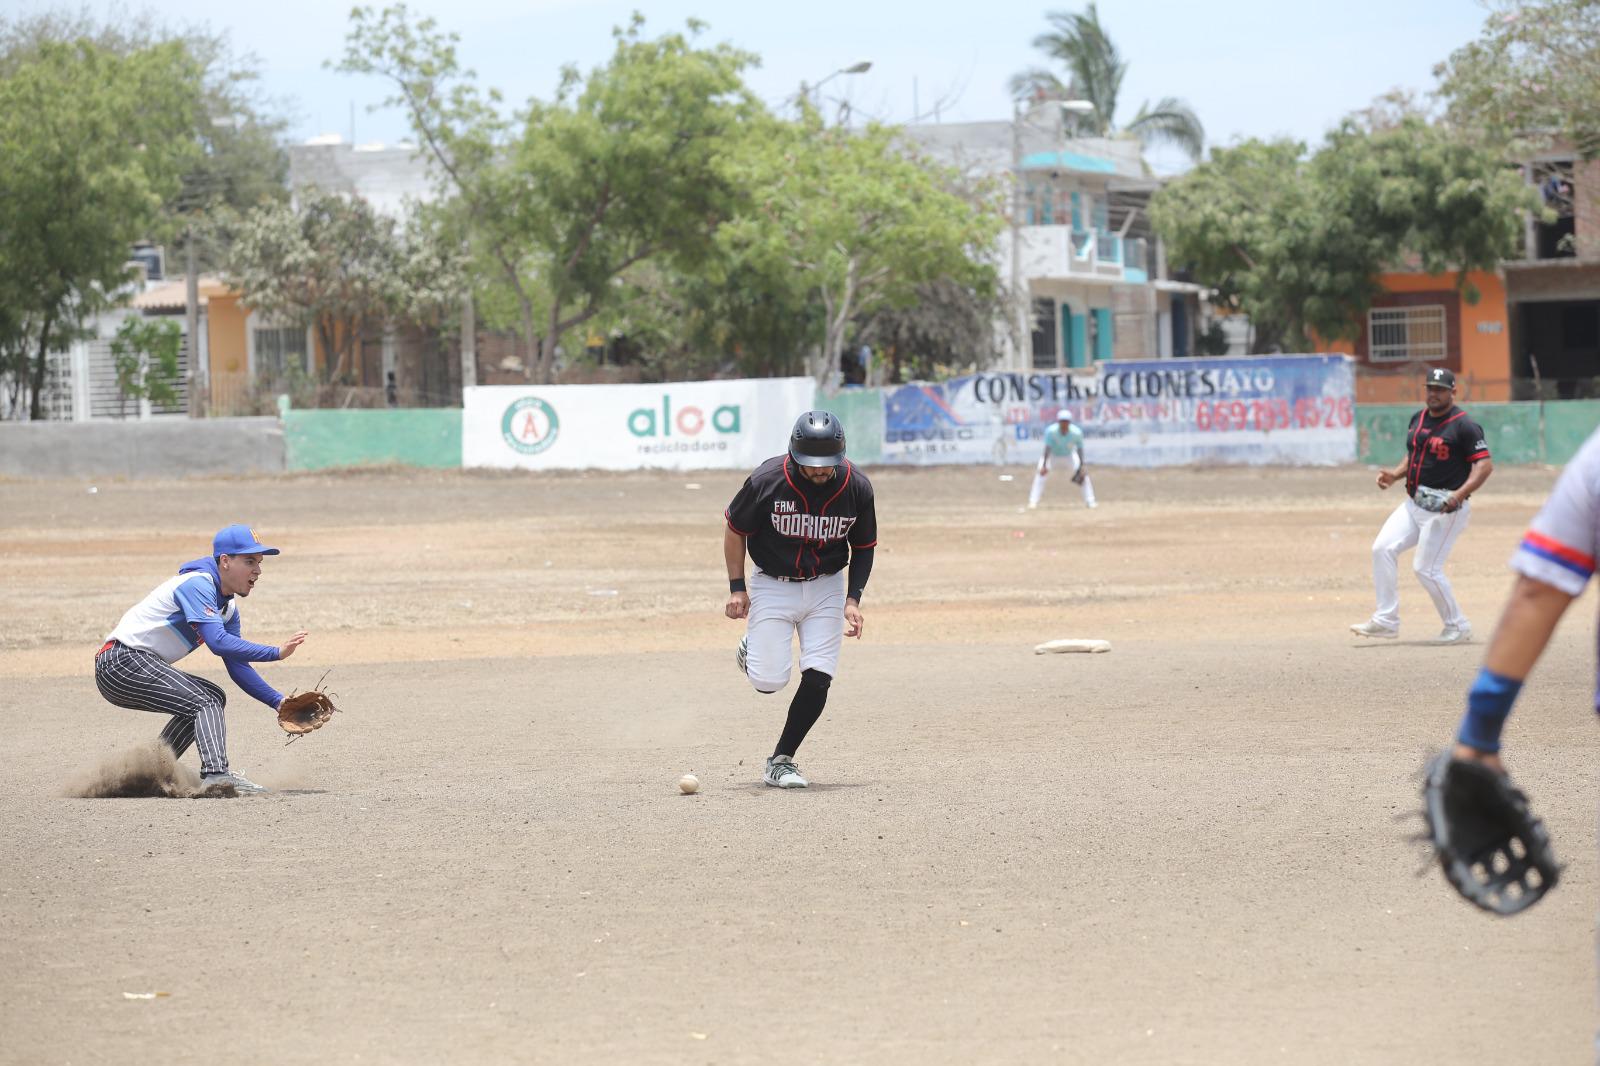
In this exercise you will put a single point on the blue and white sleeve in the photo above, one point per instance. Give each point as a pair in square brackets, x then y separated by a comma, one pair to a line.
[1559, 548]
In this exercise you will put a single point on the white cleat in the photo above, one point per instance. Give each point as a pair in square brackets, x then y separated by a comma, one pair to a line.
[1454, 635]
[741, 657]
[232, 782]
[1373, 629]
[783, 773]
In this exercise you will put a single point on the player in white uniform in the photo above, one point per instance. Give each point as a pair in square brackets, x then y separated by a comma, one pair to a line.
[1445, 453]
[1553, 564]
[1061, 439]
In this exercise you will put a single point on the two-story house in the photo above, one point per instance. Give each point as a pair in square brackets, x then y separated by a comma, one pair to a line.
[1079, 251]
[1534, 329]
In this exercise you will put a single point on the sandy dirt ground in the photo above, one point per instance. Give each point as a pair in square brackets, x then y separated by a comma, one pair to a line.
[1184, 851]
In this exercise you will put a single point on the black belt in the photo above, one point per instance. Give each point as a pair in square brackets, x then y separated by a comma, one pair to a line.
[780, 577]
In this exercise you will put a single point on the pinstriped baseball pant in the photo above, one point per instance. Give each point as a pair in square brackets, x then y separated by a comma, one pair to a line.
[143, 681]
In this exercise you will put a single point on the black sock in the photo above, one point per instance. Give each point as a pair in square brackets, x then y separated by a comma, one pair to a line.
[804, 710]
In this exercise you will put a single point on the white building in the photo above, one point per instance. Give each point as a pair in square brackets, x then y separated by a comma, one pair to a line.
[1079, 247]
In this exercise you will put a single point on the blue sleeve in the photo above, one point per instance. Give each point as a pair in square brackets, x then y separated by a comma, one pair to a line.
[224, 641]
[197, 599]
[244, 675]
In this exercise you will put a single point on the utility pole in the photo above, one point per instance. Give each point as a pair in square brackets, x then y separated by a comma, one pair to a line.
[191, 308]
[1021, 311]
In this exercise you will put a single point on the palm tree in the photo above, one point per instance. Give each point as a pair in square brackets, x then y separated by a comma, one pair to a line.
[1079, 43]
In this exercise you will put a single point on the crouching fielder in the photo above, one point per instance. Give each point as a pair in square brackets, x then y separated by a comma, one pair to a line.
[134, 668]
[803, 517]
[1062, 439]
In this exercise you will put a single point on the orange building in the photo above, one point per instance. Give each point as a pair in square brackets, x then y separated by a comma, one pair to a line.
[1423, 321]
[246, 359]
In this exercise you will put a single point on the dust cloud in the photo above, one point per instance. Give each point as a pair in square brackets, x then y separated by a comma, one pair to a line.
[148, 771]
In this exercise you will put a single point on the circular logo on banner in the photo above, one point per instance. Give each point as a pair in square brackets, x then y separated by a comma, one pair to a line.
[530, 425]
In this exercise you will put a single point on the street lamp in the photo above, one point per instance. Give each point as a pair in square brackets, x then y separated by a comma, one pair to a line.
[854, 68]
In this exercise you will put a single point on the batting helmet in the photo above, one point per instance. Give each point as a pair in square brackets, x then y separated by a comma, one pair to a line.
[817, 440]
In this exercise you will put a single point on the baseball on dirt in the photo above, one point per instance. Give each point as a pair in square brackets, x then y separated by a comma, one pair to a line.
[689, 784]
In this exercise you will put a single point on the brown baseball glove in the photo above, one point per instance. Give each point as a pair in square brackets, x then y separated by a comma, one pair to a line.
[305, 712]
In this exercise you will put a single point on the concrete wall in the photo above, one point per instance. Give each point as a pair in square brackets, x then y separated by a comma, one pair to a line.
[159, 449]
[427, 437]
[1517, 432]
[319, 440]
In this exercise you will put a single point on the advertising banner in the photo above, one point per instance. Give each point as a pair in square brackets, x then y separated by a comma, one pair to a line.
[1295, 409]
[681, 425]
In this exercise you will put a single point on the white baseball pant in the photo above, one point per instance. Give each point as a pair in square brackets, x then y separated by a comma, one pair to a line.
[779, 610]
[1432, 534]
[1037, 490]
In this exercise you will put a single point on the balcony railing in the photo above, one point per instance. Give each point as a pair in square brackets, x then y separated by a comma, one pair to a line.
[1060, 251]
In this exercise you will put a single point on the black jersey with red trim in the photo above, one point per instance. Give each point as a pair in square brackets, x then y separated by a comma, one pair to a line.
[1440, 451]
[793, 528]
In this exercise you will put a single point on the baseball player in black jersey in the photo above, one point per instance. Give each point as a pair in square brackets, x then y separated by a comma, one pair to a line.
[1447, 460]
[804, 517]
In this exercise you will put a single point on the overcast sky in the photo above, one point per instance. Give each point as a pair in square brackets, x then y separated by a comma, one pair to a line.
[1249, 68]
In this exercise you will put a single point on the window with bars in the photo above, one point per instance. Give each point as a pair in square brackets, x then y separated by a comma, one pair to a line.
[280, 350]
[1403, 334]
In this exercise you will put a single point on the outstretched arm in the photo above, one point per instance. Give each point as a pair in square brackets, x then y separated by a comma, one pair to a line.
[1525, 628]
[244, 675]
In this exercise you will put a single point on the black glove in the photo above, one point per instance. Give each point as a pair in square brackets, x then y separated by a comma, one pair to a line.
[1491, 847]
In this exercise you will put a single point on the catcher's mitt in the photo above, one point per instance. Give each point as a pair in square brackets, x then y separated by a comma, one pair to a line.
[1430, 499]
[305, 712]
[1491, 847]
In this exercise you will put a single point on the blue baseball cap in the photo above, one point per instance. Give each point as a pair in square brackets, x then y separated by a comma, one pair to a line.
[239, 540]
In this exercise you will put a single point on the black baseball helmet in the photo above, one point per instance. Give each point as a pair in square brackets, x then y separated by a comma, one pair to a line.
[817, 440]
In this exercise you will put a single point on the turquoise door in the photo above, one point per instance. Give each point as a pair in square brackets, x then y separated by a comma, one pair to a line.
[1074, 332]
[1102, 333]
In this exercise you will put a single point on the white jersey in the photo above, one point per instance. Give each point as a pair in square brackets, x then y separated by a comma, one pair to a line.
[160, 624]
[1559, 548]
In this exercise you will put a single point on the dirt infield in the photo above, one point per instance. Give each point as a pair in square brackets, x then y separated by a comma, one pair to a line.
[1183, 851]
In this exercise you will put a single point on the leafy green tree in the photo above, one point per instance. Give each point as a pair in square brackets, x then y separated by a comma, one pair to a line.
[465, 139]
[1084, 51]
[93, 144]
[625, 166]
[1298, 244]
[861, 223]
[145, 355]
[1534, 68]
[335, 264]
[239, 161]
[633, 163]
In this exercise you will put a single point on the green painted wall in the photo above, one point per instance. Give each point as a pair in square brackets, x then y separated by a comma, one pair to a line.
[860, 411]
[1513, 430]
[318, 440]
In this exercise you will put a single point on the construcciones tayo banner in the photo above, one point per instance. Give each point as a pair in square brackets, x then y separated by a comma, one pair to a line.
[1294, 409]
[679, 425]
